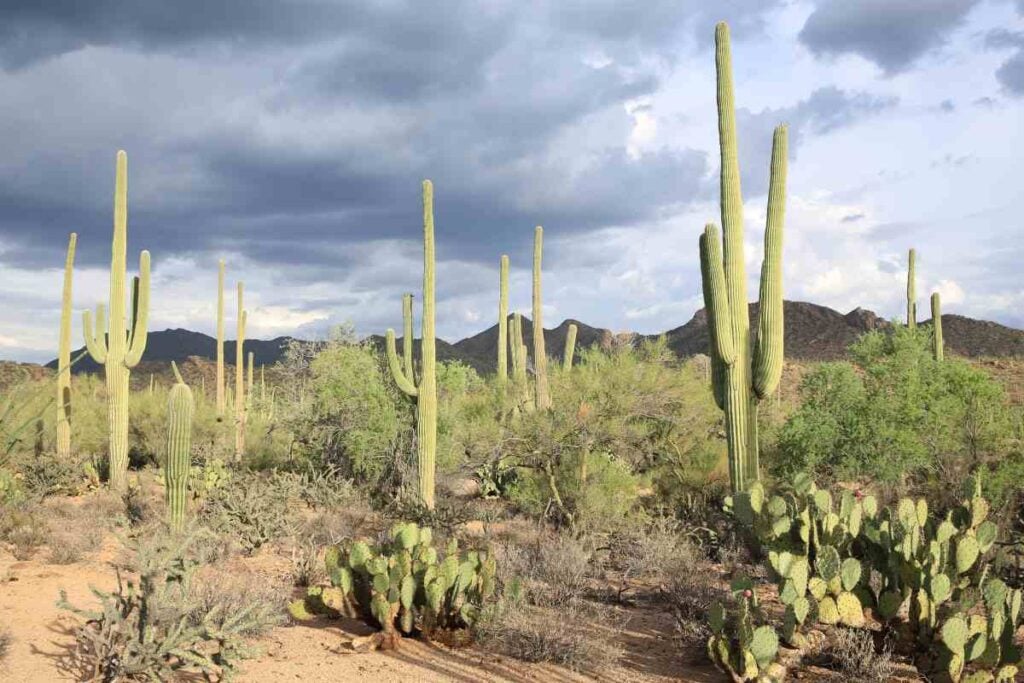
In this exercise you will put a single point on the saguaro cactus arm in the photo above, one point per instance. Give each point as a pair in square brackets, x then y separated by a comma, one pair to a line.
[911, 289]
[140, 318]
[718, 312]
[570, 346]
[503, 319]
[407, 337]
[768, 348]
[401, 379]
[95, 340]
[938, 350]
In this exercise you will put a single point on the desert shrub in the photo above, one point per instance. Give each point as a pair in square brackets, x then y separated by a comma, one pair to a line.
[6, 640]
[560, 636]
[894, 413]
[307, 563]
[25, 528]
[852, 653]
[254, 509]
[68, 548]
[45, 473]
[552, 571]
[216, 597]
[155, 628]
[11, 489]
[326, 488]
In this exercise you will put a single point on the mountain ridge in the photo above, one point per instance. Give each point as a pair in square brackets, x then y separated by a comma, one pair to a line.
[812, 332]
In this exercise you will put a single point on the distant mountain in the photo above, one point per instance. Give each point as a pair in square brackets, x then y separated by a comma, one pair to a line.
[179, 344]
[812, 332]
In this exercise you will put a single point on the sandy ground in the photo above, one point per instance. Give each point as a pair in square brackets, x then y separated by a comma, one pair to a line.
[43, 647]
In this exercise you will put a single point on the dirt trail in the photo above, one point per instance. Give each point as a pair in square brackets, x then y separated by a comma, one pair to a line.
[43, 649]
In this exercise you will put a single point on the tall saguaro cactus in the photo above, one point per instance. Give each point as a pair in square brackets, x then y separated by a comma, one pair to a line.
[911, 290]
[248, 382]
[540, 357]
[425, 392]
[123, 348]
[503, 320]
[240, 378]
[742, 375]
[179, 450]
[938, 351]
[221, 401]
[570, 346]
[64, 356]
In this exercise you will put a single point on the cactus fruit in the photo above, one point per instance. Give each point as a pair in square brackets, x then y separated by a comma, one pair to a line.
[221, 401]
[240, 377]
[425, 392]
[179, 449]
[542, 395]
[570, 346]
[123, 348]
[938, 351]
[503, 320]
[744, 375]
[64, 356]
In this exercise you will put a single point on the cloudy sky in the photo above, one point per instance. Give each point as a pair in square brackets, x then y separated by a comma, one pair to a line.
[289, 137]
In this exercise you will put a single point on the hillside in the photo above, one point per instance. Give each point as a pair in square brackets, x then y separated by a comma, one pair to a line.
[812, 333]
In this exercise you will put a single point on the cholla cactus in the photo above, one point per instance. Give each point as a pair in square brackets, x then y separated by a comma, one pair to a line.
[425, 392]
[123, 348]
[938, 352]
[179, 449]
[742, 376]
[64, 356]
[402, 585]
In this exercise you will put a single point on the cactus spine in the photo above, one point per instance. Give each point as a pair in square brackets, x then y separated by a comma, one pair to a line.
[425, 392]
[240, 379]
[540, 358]
[937, 346]
[179, 449]
[122, 349]
[503, 321]
[221, 402]
[911, 290]
[570, 346]
[64, 356]
[742, 375]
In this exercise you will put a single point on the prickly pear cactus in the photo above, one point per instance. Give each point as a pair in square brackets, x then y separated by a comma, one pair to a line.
[737, 646]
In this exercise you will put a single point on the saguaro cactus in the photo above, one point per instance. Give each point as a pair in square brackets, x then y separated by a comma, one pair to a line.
[179, 450]
[221, 402]
[742, 375]
[911, 290]
[64, 356]
[570, 346]
[503, 320]
[122, 348]
[425, 392]
[240, 378]
[517, 351]
[937, 346]
[540, 357]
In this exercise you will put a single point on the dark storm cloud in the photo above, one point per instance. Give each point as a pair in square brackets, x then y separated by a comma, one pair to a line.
[1011, 73]
[891, 33]
[825, 110]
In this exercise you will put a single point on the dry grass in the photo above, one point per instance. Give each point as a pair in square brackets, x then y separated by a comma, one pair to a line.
[25, 528]
[852, 653]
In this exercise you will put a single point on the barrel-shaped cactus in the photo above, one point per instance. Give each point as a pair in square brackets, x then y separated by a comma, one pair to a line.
[179, 450]
[425, 391]
[64, 356]
[938, 350]
[109, 342]
[742, 375]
